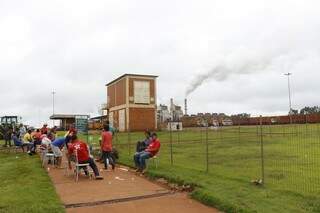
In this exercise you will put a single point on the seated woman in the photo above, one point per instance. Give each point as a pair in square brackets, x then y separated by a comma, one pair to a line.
[142, 145]
[17, 142]
[141, 157]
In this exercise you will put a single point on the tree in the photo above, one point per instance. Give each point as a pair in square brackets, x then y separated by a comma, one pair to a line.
[310, 110]
[241, 115]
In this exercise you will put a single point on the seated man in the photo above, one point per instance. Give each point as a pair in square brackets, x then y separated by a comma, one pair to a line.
[45, 144]
[83, 155]
[17, 141]
[45, 147]
[27, 139]
[149, 152]
[36, 136]
[142, 145]
[44, 129]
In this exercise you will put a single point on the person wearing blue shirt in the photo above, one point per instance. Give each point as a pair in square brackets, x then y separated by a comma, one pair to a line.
[18, 142]
[56, 147]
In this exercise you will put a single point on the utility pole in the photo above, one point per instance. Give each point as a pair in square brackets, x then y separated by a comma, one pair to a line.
[289, 90]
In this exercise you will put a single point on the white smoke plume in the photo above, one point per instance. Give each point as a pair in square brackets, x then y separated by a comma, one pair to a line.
[235, 64]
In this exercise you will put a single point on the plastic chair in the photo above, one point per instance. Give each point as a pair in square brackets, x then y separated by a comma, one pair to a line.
[16, 148]
[79, 166]
[48, 157]
[155, 160]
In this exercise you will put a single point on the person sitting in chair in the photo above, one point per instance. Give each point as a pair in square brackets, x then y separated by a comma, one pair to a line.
[82, 152]
[141, 157]
[142, 145]
[17, 142]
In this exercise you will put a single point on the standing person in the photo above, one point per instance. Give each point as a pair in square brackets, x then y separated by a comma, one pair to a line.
[83, 155]
[141, 157]
[7, 135]
[22, 131]
[111, 128]
[106, 147]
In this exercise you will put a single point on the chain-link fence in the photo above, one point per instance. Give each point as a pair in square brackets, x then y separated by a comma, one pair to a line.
[283, 157]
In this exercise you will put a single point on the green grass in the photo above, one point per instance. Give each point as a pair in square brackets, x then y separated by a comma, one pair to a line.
[25, 186]
[291, 159]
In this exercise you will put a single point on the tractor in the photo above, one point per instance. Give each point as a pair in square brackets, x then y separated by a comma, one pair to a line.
[7, 123]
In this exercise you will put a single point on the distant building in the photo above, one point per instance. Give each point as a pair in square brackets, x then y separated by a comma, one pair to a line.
[66, 120]
[174, 126]
[163, 113]
[132, 102]
[227, 122]
[175, 111]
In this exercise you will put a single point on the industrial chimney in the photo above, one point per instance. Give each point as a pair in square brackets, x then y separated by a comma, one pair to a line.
[185, 107]
[171, 105]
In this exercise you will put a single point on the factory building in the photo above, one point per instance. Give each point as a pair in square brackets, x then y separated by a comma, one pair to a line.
[163, 113]
[172, 113]
[131, 102]
[176, 111]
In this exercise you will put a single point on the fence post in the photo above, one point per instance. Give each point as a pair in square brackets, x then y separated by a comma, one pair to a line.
[207, 149]
[262, 151]
[239, 131]
[306, 119]
[171, 151]
[270, 133]
[129, 142]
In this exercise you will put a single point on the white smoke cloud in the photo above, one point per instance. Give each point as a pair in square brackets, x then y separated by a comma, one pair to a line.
[238, 63]
[246, 62]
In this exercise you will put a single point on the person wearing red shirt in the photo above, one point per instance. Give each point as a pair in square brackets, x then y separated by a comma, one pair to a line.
[36, 141]
[141, 157]
[106, 147]
[83, 155]
[44, 129]
[37, 135]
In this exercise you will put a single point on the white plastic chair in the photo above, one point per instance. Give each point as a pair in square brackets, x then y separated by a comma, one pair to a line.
[155, 160]
[48, 157]
[79, 166]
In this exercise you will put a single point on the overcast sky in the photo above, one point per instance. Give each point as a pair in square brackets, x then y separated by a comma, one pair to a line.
[229, 55]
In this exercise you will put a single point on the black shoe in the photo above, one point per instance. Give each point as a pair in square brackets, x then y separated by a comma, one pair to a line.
[99, 177]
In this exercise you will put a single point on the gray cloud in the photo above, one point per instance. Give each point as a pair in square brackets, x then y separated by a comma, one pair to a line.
[75, 47]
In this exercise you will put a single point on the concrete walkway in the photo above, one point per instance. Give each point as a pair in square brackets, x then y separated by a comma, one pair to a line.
[120, 191]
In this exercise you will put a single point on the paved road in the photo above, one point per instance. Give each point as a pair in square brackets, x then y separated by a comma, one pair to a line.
[121, 191]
